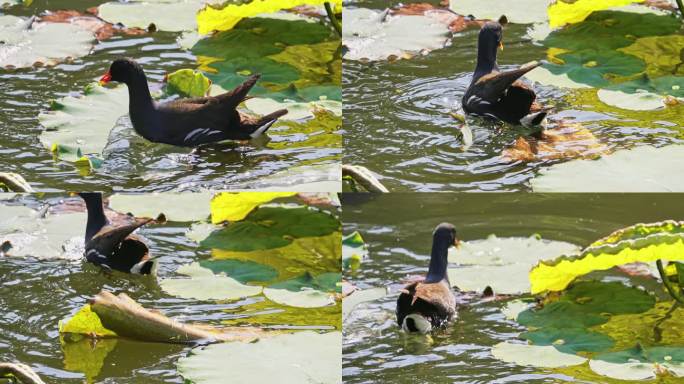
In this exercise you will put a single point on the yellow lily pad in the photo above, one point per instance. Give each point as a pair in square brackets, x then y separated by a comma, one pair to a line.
[235, 206]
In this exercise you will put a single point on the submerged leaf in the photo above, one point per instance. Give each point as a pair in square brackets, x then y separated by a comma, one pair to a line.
[235, 206]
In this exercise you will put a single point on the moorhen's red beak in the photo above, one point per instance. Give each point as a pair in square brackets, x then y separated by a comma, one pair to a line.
[106, 78]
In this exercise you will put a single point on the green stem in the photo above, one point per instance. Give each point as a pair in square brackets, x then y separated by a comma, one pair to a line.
[335, 22]
[668, 285]
[681, 7]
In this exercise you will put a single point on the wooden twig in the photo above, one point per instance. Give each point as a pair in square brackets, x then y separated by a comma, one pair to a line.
[21, 372]
[129, 319]
[15, 182]
[364, 177]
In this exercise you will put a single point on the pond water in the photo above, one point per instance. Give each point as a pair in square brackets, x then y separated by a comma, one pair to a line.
[375, 350]
[397, 122]
[132, 163]
[36, 294]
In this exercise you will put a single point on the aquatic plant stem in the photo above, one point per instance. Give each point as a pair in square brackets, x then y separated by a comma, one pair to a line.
[681, 7]
[333, 19]
[668, 285]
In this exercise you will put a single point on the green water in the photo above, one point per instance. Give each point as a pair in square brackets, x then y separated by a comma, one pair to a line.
[134, 164]
[397, 124]
[398, 230]
[35, 295]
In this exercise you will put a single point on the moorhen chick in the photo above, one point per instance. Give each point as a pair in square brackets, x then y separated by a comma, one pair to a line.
[112, 246]
[430, 303]
[187, 122]
[500, 95]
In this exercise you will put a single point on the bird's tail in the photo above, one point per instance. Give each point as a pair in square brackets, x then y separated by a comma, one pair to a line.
[239, 93]
[416, 322]
[145, 267]
[257, 127]
[533, 119]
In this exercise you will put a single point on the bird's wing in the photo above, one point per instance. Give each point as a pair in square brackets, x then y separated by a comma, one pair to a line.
[239, 94]
[203, 136]
[492, 86]
[439, 294]
[109, 237]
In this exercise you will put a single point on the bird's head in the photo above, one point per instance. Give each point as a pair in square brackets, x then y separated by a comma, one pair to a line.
[123, 70]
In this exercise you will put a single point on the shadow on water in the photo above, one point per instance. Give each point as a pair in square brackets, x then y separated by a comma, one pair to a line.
[375, 350]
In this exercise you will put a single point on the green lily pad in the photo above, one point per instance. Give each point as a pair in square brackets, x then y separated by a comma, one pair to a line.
[203, 284]
[534, 355]
[188, 83]
[260, 45]
[272, 227]
[26, 43]
[79, 126]
[501, 263]
[628, 170]
[596, 67]
[588, 304]
[305, 291]
[241, 270]
[373, 35]
[639, 363]
[269, 313]
[175, 206]
[569, 339]
[300, 357]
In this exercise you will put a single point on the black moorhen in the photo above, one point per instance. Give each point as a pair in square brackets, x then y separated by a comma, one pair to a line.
[500, 95]
[430, 303]
[187, 122]
[112, 246]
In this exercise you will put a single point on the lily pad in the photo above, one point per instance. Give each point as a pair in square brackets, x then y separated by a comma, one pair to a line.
[524, 11]
[361, 296]
[637, 243]
[640, 101]
[354, 250]
[229, 58]
[662, 54]
[295, 110]
[244, 271]
[640, 363]
[587, 304]
[501, 263]
[85, 322]
[628, 170]
[175, 206]
[569, 339]
[52, 237]
[235, 206]
[272, 227]
[80, 126]
[315, 255]
[305, 291]
[27, 43]
[166, 15]
[226, 17]
[203, 284]
[373, 35]
[188, 83]
[534, 355]
[301, 357]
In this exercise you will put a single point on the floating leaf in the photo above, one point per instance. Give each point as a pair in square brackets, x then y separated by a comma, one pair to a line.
[639, 363]
[586, 304]
[639, 101]
[501, 263]
[85, 322]
[229, 58]
[188, 83]
[296, 110]
[166, 15]
[272, 227]
[354, 250]
[266, 312]
[81, 125]
[361, 296]
[662, 54]
[372, 35]
[244, 271]
[569, 339]
[514, 307]
[314, 255]
[222, 19]
[301, 357]
[628, 170]
[203, 284]
[26, 43]
[637, 243]
[565, 12]
[235, 206]
[52, 237]
[175, 206]
[535, 356]
[524, 11]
